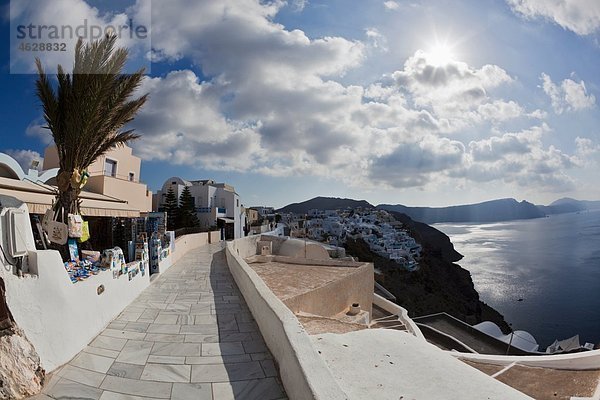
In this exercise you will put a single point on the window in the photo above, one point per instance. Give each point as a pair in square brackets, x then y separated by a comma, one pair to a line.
[131, 177]
[238, 202]
[110, 167]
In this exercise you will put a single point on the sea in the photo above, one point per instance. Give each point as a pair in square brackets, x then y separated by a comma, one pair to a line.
[542, 274]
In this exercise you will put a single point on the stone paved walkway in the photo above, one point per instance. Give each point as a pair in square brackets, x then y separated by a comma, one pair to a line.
[189, 335]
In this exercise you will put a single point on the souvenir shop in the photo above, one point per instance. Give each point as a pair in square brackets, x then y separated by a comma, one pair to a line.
[124, 247]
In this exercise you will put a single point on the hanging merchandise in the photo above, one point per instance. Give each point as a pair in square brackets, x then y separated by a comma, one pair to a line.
[75, 226]
[73, 250]
[85, 232]
[75, 178]
[84, 178]
[49, 216]
[58, 232]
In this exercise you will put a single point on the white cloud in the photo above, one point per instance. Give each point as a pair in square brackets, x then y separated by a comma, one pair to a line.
[579, 16]
[181, 123]
[520, 158]
[73, 14]
[417, 163]
[299, 5]
[36, 129]
[271, 101]
[588, 151]
[568, 96]
[391, 5]
[25, 157]
[457, 94]
[376, 39]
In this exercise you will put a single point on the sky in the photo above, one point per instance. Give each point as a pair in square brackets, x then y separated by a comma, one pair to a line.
[422, 103]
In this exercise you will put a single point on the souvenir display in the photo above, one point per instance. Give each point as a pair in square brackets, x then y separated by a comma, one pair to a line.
[81, 270]
[57, 231]
[49, 216]
[90, 255]
[85, 232]
[170, 236]
[75, 225]
[73, 250]
[155, 253]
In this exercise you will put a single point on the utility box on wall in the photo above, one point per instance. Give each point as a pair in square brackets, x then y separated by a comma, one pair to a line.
[16, 233]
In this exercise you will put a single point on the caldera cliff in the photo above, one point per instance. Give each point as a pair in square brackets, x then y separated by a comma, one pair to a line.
[440, 285]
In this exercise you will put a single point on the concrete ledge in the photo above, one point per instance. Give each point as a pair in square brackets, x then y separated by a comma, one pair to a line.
[306, 261]
[303, 372]
[446, 340]
[587, 360]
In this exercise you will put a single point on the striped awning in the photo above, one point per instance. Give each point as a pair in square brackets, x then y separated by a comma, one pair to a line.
[40, 197]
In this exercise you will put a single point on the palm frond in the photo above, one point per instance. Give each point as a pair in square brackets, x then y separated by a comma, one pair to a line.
[88, 110]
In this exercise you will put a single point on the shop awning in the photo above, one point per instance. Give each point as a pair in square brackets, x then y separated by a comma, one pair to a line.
[227, 220]
[39, 198]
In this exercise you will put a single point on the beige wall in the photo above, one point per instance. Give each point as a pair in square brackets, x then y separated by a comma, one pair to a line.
[251, 215]
[126, 162]
[337, 296]
[51, 158]
[135, 193]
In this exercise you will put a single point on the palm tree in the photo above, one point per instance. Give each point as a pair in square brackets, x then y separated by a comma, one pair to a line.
[87, 111]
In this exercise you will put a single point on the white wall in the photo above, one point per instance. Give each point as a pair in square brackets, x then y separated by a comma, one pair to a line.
[303, 372]
[60, 318]
[587, 360]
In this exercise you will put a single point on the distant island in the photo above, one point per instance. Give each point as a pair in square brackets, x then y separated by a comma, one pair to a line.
[488, 211]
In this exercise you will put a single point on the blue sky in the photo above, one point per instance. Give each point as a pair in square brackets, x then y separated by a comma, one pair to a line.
[414, 102]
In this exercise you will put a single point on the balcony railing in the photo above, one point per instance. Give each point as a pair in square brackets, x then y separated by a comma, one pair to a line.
[118, 176]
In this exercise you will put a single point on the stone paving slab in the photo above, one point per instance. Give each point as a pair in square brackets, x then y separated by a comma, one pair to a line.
[189, 335]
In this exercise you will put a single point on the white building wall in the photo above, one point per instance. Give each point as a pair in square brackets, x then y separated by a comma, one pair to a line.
[208, 195]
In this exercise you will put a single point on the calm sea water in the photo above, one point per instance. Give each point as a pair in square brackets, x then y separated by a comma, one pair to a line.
[552, 263]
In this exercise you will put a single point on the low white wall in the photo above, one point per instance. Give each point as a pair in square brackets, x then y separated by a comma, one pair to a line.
[60, 318]
[303, 372]
[401, 312]
[587, 360]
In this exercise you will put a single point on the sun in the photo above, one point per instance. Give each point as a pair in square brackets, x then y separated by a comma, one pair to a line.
[440, 54]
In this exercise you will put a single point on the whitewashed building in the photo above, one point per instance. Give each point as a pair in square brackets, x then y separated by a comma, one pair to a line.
[217, 204]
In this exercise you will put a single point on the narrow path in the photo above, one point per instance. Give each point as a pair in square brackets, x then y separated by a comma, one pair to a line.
[189, 335]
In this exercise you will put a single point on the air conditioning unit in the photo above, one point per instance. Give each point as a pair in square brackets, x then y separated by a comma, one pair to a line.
[18, 222]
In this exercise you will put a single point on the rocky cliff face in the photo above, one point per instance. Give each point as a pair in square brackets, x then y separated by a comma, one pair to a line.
[439, 285]
[20, 372]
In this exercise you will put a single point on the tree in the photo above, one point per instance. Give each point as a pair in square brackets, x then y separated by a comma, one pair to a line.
[86, 113]
[171, 207]
[187, 217]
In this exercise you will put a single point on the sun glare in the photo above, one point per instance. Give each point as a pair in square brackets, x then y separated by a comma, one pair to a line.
[440, 54]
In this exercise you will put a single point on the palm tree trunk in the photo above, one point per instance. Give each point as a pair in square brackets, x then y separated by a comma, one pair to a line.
[67, 203]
